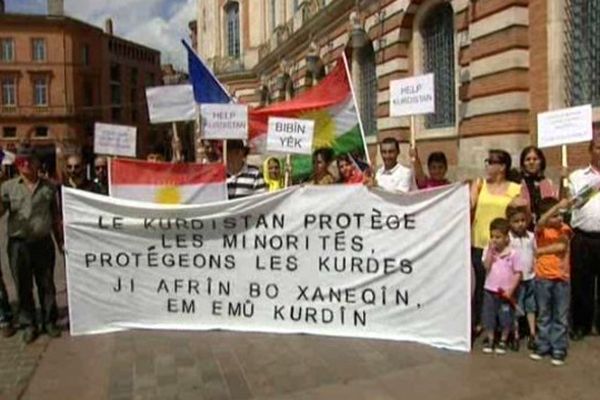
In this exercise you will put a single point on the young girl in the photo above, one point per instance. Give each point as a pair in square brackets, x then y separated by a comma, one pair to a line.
[503, 274]
[523, 242]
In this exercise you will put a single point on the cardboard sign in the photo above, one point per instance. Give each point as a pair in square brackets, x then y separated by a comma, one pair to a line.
[171, 103]
[289, 135]
[566, 126]
[224, 121]
[115, 140]
[412, 96]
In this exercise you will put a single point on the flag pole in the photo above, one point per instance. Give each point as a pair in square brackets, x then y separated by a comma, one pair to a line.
[360, 125]
[288, 165]
[413, 133]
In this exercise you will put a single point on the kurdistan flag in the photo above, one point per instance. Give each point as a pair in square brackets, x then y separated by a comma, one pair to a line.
[167, 183]
[330, 105]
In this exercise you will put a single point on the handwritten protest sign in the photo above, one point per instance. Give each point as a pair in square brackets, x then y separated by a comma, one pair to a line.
[224, 121]
[336, 260]
[171, 103]
[412, 96]
[290, 135]
[566, 126]
[115, 140]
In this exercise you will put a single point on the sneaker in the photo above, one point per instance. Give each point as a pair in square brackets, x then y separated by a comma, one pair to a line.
[514, 345]
[538, 355]
[531, 343]
[7, 330]
[500, 347]
[52, 330]
[29, 334]
[558, 359]
[488, 348]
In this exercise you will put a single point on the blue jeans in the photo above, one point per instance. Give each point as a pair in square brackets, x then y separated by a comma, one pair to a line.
[553, 315]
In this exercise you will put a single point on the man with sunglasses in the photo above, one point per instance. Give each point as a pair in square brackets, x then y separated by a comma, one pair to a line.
[31, 203]
[75, 174]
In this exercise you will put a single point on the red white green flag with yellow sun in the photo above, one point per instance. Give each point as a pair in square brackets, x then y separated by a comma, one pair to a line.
[167, 183]
[330, 104]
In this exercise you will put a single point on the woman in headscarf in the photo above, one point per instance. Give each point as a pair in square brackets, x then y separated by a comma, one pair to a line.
[535, 186]
[272, 174]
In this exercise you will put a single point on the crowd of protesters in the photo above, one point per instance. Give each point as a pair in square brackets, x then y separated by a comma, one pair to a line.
[534, 274]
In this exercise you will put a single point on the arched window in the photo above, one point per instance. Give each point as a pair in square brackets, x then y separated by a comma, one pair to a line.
[583, 50]
[437, 31]
[232, 12]
[368, 88]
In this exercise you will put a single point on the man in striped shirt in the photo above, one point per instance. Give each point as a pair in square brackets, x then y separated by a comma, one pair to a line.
[242, 179]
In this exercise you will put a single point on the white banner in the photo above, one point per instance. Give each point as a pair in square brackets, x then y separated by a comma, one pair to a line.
[115, 140]
[412, 96]
[290, 135]
[224, 121]
[171, 103]
[566, 126]
[335, 260]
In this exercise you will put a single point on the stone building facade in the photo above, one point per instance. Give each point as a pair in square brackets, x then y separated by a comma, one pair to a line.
[59, 75]
[497, 63]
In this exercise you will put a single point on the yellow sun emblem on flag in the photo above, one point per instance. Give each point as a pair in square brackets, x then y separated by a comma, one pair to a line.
[168, 195]
[324, 128]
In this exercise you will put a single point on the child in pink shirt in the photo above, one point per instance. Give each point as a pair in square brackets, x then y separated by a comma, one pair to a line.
[503, 275]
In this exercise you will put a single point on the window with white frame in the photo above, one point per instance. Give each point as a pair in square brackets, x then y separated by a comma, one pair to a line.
[232, 13]
[273, 10]
[38, 49]
[9, 91]
[437, 30]
[583, 52]
[40, 91]
[7, 49]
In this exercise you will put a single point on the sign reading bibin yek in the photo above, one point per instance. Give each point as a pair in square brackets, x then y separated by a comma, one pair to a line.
[290, 135]
[566, 126]
[224, 121]
[115, 140]
[412, 96]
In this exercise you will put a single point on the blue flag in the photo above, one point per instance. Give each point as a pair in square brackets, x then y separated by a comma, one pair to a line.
[207, 88]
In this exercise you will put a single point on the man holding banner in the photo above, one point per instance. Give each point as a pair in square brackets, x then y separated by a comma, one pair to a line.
[32, 208]
[585, 246]
[242, 179]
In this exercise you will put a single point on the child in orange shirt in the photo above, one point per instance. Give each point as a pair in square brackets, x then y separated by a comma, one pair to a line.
[552, 281]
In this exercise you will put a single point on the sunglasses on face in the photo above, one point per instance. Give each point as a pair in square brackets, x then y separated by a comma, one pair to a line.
[74, 167]
[492, 161]
[100, 167]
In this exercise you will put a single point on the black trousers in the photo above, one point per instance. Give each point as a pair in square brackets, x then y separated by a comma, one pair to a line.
[5, 310]
[31, 261]
[585, 275]
[479, 272]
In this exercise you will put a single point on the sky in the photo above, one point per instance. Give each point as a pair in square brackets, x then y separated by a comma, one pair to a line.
[159, 24]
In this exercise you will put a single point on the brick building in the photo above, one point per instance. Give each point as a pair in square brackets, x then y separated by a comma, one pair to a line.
[497, 63]
[58, 76]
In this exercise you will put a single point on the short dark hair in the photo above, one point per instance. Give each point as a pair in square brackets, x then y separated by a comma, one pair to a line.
[237, 145]
[546, 204]
[391, 140]
[538, 153]
[500, 224]
[511, 211]
[437, 157]
[326, 154]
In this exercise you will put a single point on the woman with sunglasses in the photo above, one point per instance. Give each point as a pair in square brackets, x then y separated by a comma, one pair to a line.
[489, 199]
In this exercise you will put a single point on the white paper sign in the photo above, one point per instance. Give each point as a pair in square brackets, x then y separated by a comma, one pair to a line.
[412, 96]
[115, 140]
[171, 103]
[335, 260]
[224, 121]
[289, 135]
[566, 126]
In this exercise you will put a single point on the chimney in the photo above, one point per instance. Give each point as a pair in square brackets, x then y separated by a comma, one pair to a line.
[56, 7]
[108, 26]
